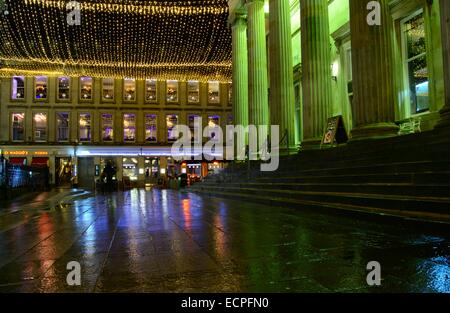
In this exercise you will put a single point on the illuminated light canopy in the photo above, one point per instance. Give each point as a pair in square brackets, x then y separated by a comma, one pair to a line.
[171, 39]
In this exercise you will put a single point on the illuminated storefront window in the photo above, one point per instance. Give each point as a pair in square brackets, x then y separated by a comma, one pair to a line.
[40, 126]
[150, 128]
[86, 84]
[130, 168]
[213, 126]
[214, 92]
[193, 88]
[107, 89]
[18, 126]
[193, 126]
[40, 87]
[151, 90]
[85, 127]
[63, 83]
[129, 127]
[107, 127]
[62, 126]
[172, 91]
[415, 56]
[129, 89]
[172, 122]
[18, 88]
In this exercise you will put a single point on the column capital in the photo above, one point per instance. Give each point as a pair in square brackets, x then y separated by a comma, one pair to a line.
[239, 16]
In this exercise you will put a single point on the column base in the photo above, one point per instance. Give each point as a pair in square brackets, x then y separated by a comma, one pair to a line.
[311, 144]
[284, 151]
[374, 131]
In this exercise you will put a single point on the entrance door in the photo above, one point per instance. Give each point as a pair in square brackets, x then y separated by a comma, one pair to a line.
[63, 174]
[86, 173]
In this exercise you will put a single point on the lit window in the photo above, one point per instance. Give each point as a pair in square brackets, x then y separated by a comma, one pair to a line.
[63, 88]
[213, 125]
[108, 89]
[18, 126]
[62, 124]
[40, 87]
[130, 168]
[40, 126]
[85, 127]
[150, 128]
[416, 62]
[86, 84]
[107, 127]
[193, 88]
[172, 91]
[18, 88]
[214, 92]
[129, 127]
[129, 89]
[193, 126]
[172, 122]
[151, 90]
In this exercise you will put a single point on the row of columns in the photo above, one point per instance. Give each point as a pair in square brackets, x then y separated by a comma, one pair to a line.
[372, 62]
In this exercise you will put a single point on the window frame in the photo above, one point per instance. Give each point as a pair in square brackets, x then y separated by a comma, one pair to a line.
[156, 91]
[23, 99]
[58, 128]
[102, 127]
[135, 127]
[109, 100]
[35, 80]
[35, 127]
[24, 125]
[69, 95]
[145, 127]
[79, 127]
[81, 86]
[406, 61]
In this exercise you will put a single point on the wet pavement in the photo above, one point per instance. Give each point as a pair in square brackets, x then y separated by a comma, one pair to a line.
[166, 241]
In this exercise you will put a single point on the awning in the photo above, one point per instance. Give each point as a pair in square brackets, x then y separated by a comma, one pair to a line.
[17, 161]
[41, 162]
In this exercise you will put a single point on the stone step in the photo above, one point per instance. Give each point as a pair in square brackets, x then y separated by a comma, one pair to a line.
[440, 205]
[365, 188]
[347, 209]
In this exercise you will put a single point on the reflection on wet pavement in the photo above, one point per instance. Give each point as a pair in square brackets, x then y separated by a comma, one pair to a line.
[166, 241]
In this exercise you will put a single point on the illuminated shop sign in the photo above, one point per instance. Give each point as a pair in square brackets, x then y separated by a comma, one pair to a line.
[23, 152]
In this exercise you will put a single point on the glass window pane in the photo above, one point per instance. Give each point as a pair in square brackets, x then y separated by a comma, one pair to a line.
[214, 92]
[172, 122]
[40, 126]
[193, 88]
[150, 128]
[193, 126]
[18, 88]
[151, 90]
[129, 127]
[129, 89]
[213, 125]
[18, 126]
[62, 124]
[86, 84]
[108, 89]
[172, 91]
[85, 127]
[107, 127]
[63, 88]
[41, 83]
[418, 82]
[415, 36]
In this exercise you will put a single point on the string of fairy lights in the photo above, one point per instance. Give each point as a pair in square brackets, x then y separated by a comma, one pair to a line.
[165, 39]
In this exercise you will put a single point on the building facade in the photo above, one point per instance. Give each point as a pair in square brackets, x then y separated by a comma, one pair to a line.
[76, 125]
[382, 66]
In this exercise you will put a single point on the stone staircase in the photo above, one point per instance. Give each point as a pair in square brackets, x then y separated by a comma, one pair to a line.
[406, 177]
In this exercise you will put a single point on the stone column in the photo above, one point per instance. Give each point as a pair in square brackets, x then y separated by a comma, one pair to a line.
[316, 68]
[282, 106]
[257, 62]
[240, 71]
[373, 83]
[445, 29]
